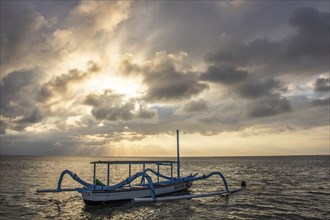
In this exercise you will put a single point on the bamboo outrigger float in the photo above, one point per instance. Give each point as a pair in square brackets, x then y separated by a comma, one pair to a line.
[146, 190]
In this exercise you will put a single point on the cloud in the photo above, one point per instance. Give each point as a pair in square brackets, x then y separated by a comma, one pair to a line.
[98, 16]
[144, 113]
[21, 26]
[312, 39]
[230, 51]
[247, 68]
[89, 26]
[321, 102]
[18, 98]
[170, 26]
[35, 117]
[113, 107]
[255, 89]
[165, 77]
[194, 106]
[225, 75]
[322, 85]
[269, 106]
[60, 86]
[3, 125]
[26, 99]
[304, 52]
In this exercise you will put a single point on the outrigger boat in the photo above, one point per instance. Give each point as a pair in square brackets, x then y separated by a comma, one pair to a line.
[146, 191]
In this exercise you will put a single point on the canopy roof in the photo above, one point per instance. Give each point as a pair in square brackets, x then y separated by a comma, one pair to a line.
[165, 162]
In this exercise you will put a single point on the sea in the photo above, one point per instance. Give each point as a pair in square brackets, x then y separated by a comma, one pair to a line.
[279, 187]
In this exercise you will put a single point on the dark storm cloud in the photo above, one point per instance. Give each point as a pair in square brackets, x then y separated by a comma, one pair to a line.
[225, 75]
[305, 52]
[266, 95]
[322, 85]
[113, 107]
[3, 126]
[172, 85]
[18, 23]
[269, 106]
[165, 81]
[195, 106]
[255, 88]
[193, 26]
[321, 102]
[114, 112]
[110, 106]
[312, 39]
[60, 86]
[232, 52]
[18, 90]
[250, 19]
[144, 113]
[19, 108]
[36, 116]
[170, 25]
[25, 36]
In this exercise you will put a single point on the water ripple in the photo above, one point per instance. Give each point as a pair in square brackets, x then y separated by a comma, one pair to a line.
[278, 188]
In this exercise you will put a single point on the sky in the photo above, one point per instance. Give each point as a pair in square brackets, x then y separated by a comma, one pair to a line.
[108, 78]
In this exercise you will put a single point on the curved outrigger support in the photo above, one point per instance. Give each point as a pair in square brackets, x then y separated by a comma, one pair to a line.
[189, 178]
[106, 188]
[74, 177]
[213, 174]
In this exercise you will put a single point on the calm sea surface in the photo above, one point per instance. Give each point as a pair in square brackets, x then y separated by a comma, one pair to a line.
[277, 188]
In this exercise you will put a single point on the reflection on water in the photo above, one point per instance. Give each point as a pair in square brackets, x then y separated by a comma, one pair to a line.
[277, 187]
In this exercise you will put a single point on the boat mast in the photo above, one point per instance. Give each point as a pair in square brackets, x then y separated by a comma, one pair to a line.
[178, 152]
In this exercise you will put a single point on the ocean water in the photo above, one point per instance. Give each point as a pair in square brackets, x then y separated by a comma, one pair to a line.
[293, 187]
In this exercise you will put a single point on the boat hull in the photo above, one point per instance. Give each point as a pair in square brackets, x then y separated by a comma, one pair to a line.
[124, 195]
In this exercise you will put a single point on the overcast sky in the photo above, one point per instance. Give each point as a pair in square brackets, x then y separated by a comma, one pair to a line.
[98, 78]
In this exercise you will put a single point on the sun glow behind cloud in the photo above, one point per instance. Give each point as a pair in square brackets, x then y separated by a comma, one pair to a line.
[129, 88]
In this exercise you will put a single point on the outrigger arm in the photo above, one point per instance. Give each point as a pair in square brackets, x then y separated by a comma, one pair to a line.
[102, 188]
[190, 178]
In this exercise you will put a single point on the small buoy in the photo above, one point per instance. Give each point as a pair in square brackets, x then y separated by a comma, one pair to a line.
[243, 184]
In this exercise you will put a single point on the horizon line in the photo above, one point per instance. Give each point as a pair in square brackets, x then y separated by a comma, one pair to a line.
[189, 156]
